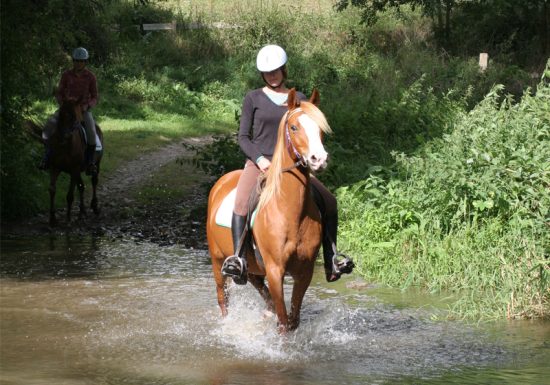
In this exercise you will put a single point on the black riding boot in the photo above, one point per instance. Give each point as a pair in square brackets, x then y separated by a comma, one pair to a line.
[335, 263]
[235, 266]
[89, 159]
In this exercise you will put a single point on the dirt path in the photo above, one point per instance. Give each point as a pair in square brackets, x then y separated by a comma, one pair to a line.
[123, 216]
[135, 172]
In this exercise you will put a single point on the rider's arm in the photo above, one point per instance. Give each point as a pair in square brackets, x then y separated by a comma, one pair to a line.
[245, 129]
[94, 96]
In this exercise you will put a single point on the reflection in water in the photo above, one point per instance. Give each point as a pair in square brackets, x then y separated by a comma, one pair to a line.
[94, 311]
[54, 256]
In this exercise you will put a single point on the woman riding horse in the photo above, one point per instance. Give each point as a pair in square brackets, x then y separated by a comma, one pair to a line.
[68, 155]
[291, 246]
[76, 85]
[262, 111]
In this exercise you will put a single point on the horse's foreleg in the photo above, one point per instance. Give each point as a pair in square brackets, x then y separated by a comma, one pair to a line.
[53, 180]
[259, 283]
[221, 290]
[82, 208]
[94, 204]
[275, 277]
[301, 283]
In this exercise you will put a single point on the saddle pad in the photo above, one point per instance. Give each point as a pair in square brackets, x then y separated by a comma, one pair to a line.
[98, 146]
[225, 212]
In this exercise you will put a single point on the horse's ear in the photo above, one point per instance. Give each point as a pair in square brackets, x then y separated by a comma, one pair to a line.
[315, 98]
[292, 101]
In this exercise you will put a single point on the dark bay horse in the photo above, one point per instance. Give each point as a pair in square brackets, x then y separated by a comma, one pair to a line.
[287, 226]
[68, 155]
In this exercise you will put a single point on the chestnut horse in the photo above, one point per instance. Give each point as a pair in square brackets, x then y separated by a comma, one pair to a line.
[68, 151]
[287, 226]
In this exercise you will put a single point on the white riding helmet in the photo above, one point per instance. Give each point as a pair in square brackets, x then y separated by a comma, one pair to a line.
[80, 54]
[270, 58]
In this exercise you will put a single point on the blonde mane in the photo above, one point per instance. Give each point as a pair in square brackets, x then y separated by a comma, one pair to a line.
[274, 174]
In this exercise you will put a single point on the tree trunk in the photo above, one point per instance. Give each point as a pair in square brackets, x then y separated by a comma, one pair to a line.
[448, 7]
[439, 26]
[545, 28]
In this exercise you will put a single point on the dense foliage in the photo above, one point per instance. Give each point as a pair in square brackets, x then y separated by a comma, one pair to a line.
[507, 29]
[36, 39]
[467, 211]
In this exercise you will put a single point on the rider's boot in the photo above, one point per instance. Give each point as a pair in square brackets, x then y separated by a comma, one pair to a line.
[45, 161]
[335, 263]
[89, 159]
[235, 266]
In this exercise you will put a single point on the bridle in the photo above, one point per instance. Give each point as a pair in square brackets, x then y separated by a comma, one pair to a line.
[300, 162]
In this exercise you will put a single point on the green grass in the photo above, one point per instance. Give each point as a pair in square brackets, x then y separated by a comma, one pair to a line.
[127, 139]
[171, 183]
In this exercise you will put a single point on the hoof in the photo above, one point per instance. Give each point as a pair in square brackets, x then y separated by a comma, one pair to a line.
[96, 210]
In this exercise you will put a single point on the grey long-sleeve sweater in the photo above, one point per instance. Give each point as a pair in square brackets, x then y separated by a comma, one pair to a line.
[260, 120]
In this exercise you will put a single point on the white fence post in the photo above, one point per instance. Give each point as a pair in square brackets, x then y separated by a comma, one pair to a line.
[483, 61]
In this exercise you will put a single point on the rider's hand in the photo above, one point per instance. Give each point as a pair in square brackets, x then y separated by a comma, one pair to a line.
[263, 164]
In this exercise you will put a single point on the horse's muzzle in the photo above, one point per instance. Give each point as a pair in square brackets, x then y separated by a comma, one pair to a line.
[317, 162]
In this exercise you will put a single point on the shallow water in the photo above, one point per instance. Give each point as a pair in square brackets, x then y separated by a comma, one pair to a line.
[97, 311]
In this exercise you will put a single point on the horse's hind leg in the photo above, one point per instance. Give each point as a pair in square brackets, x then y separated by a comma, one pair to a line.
[70, 196]
[53, 180]
[258, 282]
[93, 204]
[221, 290]
[82, 208]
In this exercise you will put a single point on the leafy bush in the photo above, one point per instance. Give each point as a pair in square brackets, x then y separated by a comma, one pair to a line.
[219, 157]
[475, 200]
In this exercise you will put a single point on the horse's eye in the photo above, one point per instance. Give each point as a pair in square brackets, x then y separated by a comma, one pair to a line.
[293, 128]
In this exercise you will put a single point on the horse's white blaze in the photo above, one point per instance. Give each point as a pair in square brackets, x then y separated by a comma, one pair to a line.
[316, 156]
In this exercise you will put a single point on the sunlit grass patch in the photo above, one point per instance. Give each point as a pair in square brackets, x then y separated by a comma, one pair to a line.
[170, 184]
[127, 139]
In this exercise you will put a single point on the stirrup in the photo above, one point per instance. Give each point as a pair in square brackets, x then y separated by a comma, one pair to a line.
[339, 267]
[235, 267]
[344, 266]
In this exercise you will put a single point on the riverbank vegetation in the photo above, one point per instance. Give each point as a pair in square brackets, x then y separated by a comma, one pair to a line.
[441, 169]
